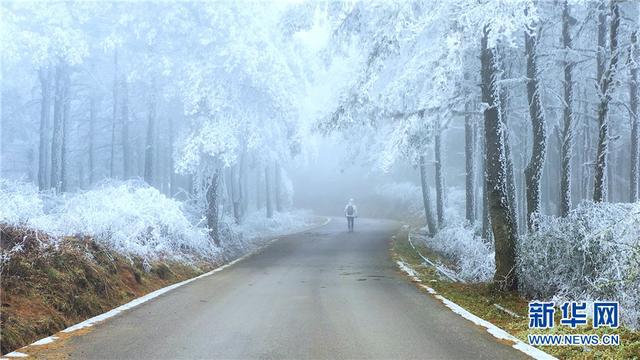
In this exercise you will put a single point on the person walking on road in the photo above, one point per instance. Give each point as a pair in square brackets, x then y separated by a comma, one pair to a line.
[351, 212]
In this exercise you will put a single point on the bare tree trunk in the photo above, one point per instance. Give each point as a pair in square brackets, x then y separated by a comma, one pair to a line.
[45, 117]
[533, 171]
[277, 191]
[92, 134]
[586, 153]
[486, 225]
[567, 131]
[244, 184]
[502, 221]
[268, 192]
[469, 163]
[126, 145]
[64, 150]
[634, 58]
[426, 197]
[235, 192]
[172, 172]
[258, 187]
[511, 186]
[213, 205]
[150, 142]
[56, 141]
[112, 173]
[606, 83]
[438, 173]
[610, 179]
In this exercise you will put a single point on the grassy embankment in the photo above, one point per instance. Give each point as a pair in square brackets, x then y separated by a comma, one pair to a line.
[480, 299]
[45, 289]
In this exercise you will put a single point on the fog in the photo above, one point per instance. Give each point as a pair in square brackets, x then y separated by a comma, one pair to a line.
[306, 104]
[504, 134]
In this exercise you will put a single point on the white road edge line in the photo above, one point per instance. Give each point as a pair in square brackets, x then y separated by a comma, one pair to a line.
[491, 328]
[135, 302]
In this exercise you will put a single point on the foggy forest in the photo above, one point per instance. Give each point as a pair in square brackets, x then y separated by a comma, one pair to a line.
[503, 135]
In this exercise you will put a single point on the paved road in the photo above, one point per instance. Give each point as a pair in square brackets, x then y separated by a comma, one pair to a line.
[320, 294]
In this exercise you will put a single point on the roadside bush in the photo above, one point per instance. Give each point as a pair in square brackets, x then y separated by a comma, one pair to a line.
[459, 242]
[592, 254]
[129, 217]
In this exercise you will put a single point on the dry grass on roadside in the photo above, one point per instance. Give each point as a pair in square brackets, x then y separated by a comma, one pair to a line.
[45, 289]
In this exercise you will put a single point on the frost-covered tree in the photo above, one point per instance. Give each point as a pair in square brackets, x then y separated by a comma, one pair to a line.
[533, 171]
[567, 114]
[607, 66]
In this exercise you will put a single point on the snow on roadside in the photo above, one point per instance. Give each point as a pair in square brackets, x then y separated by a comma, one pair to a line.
[128, 217]
[460, 242]
[256, 229]
[137, 220]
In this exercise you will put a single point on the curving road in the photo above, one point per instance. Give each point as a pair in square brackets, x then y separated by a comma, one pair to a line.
[324, 293]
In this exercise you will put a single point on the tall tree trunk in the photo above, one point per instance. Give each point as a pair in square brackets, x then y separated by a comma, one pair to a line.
[278, 192]
[126, 145]
[258, 187]
[533, 171]
[45, 116]
[486, 222]
[469, 163]
[56, 141]
[158, 174]
[426, 196]
[438, 173]
[511, 185]
[606, 83]
[268, 192]
[114, 121]
[64, 149]
[586, 149]
[172, 173]
[213, 205]
[610, 179]
[567, 131]
[92, 134]
[502, 221]
[149, 149]
[634, 58]
[235, 192]
[244, 183]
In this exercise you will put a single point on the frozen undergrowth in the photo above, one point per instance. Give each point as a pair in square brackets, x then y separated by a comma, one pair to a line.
[256, 229]
[461, 243]
[134, 219]
[592, 254]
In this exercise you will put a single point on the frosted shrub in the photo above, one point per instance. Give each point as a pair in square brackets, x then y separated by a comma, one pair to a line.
[256, 229]
[592, 254]
[128, 217]
[473, 258]
[459, 242]
[19, 202]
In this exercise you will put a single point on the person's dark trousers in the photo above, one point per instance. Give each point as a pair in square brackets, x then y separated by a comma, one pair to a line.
[350, 222]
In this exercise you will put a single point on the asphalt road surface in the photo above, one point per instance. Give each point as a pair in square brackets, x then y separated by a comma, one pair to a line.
[321, 294]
